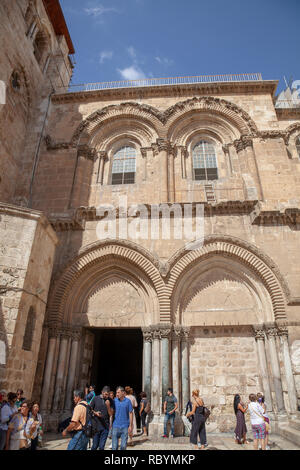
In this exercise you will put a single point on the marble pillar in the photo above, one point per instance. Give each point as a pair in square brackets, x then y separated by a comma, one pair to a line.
[292, 392]
[271, 335]
[165, 355]
[58, 391]
[156, 389]
[260, 341]
[147, 360]
[52, 338]
[185, 372]
[176, 337]
[72, 368]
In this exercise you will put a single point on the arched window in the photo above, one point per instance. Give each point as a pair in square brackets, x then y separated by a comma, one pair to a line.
[41, 47]
[204, 161]
[298, 145]
[123, 167]
[29, 330]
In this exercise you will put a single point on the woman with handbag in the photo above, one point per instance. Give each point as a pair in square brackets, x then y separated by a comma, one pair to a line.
[257, 422]
[16, 438]
[198, 426]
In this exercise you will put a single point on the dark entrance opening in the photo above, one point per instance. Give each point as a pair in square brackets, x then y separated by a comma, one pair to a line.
[118, 359]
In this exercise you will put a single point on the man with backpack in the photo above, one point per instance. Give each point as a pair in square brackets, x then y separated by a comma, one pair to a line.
[103, 409]
[77, 426]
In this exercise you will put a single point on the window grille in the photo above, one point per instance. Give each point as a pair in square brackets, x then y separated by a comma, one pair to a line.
[204, 161]
[124, 166]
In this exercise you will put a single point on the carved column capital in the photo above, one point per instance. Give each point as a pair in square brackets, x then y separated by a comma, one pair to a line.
[282, 330]
[242, 143]
[259, 332]
[147, 334]
[53, 330]
[176, 332]
[271, 331]
[65, 332]
[102, 154]
[87, 152]
[144, 151]
[156, 332]
[185, 333]
[165, 330]
[76, 334]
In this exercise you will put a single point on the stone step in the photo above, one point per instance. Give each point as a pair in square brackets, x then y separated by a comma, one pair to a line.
[295, 423]
[290, 434]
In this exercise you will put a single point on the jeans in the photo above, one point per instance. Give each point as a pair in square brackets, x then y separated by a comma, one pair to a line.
[99, 440]
[168, 417]
[78, 442]
[119, 433]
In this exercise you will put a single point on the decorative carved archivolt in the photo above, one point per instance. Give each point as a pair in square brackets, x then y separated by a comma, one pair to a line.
[178, 265]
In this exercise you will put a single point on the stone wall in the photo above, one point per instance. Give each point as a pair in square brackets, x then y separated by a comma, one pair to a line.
[27, 251]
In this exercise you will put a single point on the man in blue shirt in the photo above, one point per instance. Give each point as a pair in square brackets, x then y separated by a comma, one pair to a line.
[123, 422]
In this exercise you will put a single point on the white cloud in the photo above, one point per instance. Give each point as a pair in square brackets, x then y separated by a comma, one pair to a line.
[99, 10]
[164, 61]
[132, 73]
[105, 55]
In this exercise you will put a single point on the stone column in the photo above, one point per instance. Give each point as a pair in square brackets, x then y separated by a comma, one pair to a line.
[147, 361]
[183, 156]
[185, 372]
[171, 173]
[292, 392]
[76, 334]
[165, 354]
[163, 149]
[144, 153]
[52, 338]
[156, 389]
[102, 159]
[58, 391]
[176, 337]
[271, 334]
[260, 341]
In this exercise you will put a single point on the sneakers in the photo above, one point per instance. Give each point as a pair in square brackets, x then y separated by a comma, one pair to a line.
[164, 435]
[172, 436]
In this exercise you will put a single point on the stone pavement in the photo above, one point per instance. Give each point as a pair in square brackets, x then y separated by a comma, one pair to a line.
[224, 441]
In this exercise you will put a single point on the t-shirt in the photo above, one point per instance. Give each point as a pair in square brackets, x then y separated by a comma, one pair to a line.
[122, 410]
[98, 404]
[256, 411]
[6, 412]
[79, 415]
[171, 401]
[145, 401]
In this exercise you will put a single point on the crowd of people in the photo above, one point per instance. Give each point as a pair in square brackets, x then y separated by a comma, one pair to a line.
[20, 422]
[118, 416]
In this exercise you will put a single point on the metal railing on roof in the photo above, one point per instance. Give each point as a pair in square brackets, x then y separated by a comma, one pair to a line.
[151, 82]
[284, 104]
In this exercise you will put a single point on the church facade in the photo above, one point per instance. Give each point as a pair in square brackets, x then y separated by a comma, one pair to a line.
[221, 315]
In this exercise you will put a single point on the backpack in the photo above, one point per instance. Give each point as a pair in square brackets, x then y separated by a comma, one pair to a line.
[147, 408]
[90, 428]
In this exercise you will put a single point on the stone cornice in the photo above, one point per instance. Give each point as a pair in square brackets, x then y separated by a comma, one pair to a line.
[264, 86]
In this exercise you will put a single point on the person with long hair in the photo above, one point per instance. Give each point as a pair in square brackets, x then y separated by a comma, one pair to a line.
[131, 397]
[198, 426]
[33, 427]
[240, 431]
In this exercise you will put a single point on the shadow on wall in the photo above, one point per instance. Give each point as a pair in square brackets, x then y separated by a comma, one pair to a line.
[3, 348]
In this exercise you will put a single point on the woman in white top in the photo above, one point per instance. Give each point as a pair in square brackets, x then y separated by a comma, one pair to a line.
[257, 422]
[16, 439]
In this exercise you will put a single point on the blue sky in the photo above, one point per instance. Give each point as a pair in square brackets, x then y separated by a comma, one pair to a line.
[131, 39]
